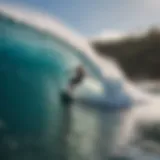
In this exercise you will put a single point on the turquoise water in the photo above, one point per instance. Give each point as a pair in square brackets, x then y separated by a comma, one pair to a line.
[34, 68]
[32, 74]
[24, 70]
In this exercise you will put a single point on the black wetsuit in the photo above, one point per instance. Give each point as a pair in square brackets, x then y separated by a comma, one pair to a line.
[77, 79]
[66, 97]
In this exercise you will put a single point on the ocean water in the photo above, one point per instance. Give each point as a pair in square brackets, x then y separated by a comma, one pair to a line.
[32, 75]
[34, 123]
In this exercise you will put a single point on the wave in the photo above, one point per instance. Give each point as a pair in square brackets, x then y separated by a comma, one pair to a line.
[35, 66]
[37, 59]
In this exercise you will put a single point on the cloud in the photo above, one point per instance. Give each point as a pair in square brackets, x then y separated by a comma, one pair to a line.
[115, 35]
[109, 35]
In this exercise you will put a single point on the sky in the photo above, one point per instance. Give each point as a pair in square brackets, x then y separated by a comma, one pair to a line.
[100, 17]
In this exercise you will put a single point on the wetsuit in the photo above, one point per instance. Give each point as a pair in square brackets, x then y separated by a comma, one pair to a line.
[66, 97]
[77, 79]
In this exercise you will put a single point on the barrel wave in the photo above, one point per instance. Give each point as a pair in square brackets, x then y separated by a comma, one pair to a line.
[33, 72]
[35, 68]
[27, 69]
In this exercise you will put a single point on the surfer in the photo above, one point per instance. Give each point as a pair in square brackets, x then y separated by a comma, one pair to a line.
[80, 73]
[66, 98]
[76, 80]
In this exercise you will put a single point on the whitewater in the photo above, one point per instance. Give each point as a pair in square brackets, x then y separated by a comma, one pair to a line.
[35, 68]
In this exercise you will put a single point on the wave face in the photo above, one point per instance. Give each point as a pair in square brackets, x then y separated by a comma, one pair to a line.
[35, 67]
[33, 71]
[30, 68]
